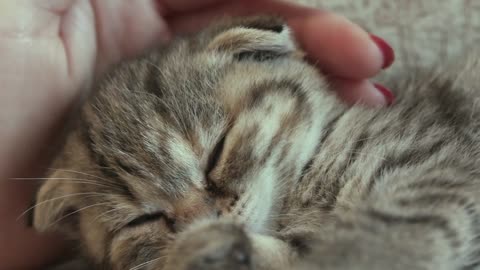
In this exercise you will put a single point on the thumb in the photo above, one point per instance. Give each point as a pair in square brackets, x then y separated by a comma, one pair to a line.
[126, 28]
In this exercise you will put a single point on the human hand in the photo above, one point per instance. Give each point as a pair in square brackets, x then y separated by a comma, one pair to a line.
[52, 50]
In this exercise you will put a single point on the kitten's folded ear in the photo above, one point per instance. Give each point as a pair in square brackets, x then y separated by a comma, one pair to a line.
[54, 208]
[267, 34]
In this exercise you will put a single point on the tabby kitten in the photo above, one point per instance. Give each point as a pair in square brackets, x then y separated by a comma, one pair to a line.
[226, 150]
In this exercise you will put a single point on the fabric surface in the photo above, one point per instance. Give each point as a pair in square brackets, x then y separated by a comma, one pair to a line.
[422, 32]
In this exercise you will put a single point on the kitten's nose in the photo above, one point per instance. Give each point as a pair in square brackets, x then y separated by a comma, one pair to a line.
[192, 206]
[203, 205]
[225, 205]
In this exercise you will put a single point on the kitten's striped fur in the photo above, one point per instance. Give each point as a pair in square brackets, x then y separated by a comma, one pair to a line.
[240, 158]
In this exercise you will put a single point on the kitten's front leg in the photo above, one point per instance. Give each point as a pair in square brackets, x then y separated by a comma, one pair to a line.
[218, 245]
[349, 246]
[399, 229]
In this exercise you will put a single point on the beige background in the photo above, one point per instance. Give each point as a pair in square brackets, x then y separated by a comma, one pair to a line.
[422, 32]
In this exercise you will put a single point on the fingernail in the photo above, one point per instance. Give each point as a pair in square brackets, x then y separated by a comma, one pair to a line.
[387, 93]
[387, 51]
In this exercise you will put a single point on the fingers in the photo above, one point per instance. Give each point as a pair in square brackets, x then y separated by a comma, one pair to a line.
[362, 92]
[127, 28]
[195, 19]
[343, 49]
[173, 6]
[337, 46]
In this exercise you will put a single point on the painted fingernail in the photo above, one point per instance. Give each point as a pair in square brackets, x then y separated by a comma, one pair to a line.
[387, 93]
[387, 51]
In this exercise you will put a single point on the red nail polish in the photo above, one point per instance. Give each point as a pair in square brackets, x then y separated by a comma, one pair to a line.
[387, 93]
[387, 51]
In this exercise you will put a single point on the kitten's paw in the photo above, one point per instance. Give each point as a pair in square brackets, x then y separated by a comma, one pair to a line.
[214, 246]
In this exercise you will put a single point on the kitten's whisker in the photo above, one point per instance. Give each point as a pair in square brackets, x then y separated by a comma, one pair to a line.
[73, 180]
[146, 263]
[77, 172]
[109, 211]
[59, 198]
[108, 183]
[77, 211]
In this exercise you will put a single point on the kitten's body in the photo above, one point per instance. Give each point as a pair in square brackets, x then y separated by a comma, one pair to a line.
[299, 179]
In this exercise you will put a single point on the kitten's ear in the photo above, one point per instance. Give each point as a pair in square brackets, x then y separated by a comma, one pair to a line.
[54, 208]
[264, 34]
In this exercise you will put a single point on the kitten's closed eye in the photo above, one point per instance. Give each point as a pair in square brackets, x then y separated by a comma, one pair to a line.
[147, 218]
[215, 155]
[212, 163]
[153, 217]
[157, 216]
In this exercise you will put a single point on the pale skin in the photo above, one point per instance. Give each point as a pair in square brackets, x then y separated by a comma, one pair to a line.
[51, 50]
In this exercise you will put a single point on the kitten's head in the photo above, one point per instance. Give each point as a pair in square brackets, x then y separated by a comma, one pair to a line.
[215, 125]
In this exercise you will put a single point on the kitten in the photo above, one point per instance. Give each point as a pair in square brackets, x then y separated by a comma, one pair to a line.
[227, 150]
